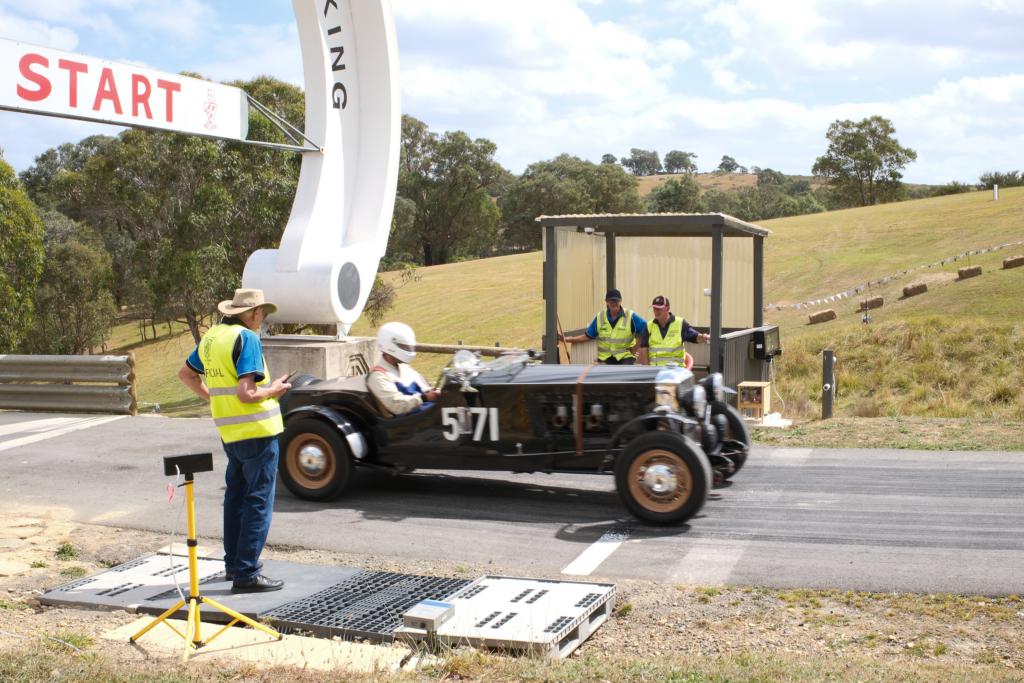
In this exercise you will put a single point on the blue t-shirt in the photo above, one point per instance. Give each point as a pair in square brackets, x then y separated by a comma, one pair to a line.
[247, 354]
[638, 324]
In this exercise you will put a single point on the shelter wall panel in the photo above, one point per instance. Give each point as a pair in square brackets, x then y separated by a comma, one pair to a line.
[738, 283]
[681, 269]
[648, 266]
[581, 279]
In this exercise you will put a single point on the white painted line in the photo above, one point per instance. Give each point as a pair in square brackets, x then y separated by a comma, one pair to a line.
[74, 427]
[599, 551]
[30, 426]
[796, 456]
[709, 562]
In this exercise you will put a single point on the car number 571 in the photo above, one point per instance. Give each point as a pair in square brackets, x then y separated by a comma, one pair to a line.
[458, 421]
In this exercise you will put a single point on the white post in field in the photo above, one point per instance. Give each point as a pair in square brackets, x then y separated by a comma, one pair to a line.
[995, 193]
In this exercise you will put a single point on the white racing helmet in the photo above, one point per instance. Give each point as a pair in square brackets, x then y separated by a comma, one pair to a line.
[398, 340]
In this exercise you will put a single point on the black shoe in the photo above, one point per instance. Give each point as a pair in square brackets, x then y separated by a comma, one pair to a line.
[229, 574]
[257, 584]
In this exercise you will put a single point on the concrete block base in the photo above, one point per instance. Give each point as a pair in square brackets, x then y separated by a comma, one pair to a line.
[319, 356]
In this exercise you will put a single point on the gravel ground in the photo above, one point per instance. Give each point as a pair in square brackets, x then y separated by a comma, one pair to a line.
[652, 620]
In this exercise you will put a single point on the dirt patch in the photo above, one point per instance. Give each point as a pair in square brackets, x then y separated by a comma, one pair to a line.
[699, 623]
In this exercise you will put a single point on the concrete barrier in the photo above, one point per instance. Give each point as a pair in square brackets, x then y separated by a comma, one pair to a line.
[1013, 262]
[968, 272]
[914, 289]
[869, 304]
[822, 316]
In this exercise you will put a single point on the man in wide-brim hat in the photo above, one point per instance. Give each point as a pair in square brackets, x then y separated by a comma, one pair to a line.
[229, 371]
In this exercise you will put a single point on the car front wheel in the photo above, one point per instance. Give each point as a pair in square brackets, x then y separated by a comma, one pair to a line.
[315, 460]
[739, 434]
[663, 477]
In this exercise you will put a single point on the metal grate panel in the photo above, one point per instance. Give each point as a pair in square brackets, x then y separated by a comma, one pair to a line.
[369, 605]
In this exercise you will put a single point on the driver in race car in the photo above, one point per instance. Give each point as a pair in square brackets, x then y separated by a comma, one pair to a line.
[393, 382]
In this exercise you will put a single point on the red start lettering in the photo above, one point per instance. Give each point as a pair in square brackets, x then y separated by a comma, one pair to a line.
[37, 86]
[42, 83]
[73, 69]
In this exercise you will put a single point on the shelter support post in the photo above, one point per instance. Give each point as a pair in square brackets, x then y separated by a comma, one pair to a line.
[609, 260]
[758, 281]
[717, 260]
[550, 341]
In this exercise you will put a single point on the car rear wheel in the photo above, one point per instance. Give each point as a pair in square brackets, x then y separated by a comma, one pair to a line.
[315, 460]
[739, 433]
[663, 477]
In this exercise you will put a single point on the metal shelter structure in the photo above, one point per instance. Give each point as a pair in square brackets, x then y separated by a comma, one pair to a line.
[692, 258]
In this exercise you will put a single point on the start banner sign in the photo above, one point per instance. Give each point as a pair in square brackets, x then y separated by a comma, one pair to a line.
[40, 80]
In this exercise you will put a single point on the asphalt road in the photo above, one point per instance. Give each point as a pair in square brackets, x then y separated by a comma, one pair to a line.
[879, 520]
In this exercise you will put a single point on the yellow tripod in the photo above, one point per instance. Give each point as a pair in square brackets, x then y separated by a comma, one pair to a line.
[188, 465]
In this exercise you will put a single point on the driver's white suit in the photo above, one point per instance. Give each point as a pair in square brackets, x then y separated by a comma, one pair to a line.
[399, 389]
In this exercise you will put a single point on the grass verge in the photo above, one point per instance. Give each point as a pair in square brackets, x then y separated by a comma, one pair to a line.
[464, 664]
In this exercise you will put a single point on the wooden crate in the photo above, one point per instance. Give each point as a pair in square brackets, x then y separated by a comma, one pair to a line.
[754, 399]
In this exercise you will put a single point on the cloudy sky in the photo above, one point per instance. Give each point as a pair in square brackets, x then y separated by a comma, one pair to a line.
[759, 80]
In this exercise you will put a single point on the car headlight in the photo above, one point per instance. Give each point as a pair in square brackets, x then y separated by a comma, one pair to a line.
[700, 401]
[717, 387]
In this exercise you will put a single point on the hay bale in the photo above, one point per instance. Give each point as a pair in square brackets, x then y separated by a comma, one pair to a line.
[1013, 262]
[914, 288]
[822, 316]
[868, 304]
[967, 272]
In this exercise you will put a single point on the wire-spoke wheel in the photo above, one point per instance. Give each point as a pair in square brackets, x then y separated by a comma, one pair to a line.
[663, 477]
[315, 462]
[736, 434]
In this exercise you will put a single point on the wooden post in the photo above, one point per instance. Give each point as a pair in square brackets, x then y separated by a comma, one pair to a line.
[132, 388]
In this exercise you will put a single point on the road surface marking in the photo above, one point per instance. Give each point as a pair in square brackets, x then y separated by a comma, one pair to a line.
[73, 425]
[29, 426]
[599, 551]
[795, 456]
[709, 562]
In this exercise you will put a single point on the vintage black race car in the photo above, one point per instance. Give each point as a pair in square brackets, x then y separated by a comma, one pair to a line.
[666, 438]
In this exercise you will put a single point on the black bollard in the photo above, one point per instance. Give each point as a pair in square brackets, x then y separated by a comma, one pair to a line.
[828, 383]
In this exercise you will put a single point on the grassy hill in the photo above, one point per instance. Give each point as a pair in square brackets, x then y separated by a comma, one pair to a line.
[953, 351]
[727, 182]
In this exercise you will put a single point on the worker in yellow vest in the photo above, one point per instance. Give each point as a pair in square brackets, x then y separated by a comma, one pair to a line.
[665, 339]
[244, 405]
[615, 330]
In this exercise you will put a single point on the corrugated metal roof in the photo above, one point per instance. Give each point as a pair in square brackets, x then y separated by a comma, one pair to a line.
[691, 224]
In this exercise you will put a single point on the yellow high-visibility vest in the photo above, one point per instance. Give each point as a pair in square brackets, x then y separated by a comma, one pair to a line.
[614, 341]
[235, 420]
[662, 350]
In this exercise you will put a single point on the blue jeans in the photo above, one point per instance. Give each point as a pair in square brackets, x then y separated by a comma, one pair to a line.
[248, 502]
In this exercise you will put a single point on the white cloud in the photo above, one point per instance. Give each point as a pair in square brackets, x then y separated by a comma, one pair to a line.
[725, 78]
[37, 32]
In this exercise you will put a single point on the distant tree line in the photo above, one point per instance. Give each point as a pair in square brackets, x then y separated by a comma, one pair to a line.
[160, 225]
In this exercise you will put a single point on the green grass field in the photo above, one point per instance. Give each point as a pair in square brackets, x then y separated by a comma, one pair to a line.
[953, 351]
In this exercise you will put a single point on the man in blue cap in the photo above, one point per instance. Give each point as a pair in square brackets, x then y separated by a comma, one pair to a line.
[615, 330]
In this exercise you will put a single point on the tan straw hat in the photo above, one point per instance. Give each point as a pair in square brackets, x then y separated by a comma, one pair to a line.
[245, 300]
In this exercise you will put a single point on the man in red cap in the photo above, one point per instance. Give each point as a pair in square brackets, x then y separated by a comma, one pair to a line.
[664, 339]
[615, 329]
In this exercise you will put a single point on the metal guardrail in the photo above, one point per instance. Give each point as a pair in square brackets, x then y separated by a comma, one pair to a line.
[93, 384]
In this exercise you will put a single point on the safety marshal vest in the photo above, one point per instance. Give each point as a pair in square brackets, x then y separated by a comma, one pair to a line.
[614, 342]
[235, 420]
[668, 349]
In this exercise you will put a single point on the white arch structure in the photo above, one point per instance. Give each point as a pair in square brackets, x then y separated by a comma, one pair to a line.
[339, 224]
[338, 228]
